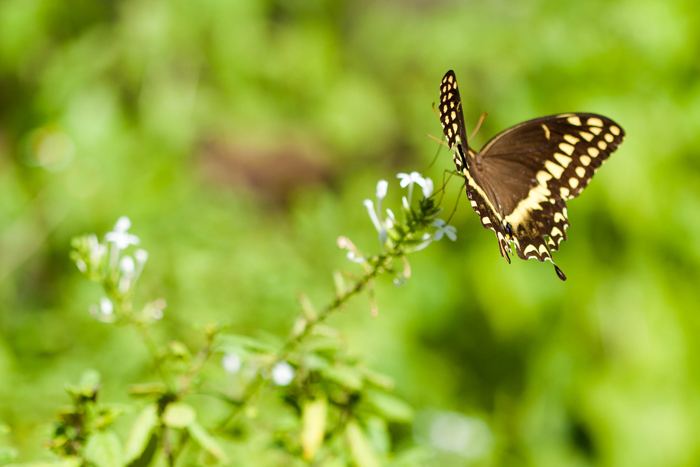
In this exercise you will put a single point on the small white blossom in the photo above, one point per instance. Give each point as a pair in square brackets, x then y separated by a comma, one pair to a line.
[443, 229]
[232, 363]
[351, 256]
[106, 306]
[127, 265]
[141, 256]
[410, 179]
[428, 187]
[282, 373]
[427, 240]
[120, 236]
[373, 214]
[157, 313]
[382, 187]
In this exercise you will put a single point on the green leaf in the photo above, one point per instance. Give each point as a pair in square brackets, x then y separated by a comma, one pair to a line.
[104, 449]
[179, 350]
[314, 416]
[233, 342]
[179, 415]
[7, 455]
[89, 383]
[360, 449]
[148, 390]
[390, 407]
[345, 376]
[69, 462]
[4, 429]
[377, 379]
[378, 435]
[207, 441]
[314, 362]
[140, 433]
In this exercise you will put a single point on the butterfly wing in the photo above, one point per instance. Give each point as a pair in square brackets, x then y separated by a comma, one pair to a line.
[452, 121]
[535, 167]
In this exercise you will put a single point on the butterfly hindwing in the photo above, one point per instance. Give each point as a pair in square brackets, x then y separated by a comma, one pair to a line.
[538, 166]
[520, 181]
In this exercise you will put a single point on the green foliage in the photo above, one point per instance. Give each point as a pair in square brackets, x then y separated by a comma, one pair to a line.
[239, 137]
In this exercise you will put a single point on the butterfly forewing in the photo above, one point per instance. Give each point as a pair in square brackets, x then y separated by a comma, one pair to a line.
[451, 111]
[521, 179]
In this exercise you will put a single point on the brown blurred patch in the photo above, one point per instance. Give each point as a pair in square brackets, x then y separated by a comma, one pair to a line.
[271, 173]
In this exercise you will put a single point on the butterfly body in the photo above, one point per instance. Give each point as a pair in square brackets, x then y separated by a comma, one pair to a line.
[519, 182]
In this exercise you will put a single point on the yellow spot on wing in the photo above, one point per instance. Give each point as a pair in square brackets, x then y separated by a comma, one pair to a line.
[595, 122]
[573, 182]
[595, 130]
[585, 160]
[558, 217]
[562, 159]
[614, 130]
[556, 232]
[564, 192]
[574, 121]
[580, 171]
[567, 148]
[593, 152]
[554, 169]
[609, 138]
[543, 177]
[571, 139]
[546, 131]
[586, 136]
[529, 248]
[602, 145]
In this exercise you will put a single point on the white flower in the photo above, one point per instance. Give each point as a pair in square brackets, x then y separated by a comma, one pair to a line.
[428, 187]
[351, 256]
[127, 265]
[141, 256]
[427, 240]
[373, 214]
[232, 363]
[409, 180]
[282, 373]
[106, 306]
[119, 235]
[382, 187]
[443, 229]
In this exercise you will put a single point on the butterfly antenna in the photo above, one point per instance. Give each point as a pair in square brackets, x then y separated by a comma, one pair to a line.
[478, 125]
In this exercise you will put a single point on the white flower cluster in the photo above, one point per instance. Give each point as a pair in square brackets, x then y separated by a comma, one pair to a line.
[124, 267]
[383, 225]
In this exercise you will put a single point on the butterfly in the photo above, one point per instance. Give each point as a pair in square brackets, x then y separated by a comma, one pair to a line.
[519, 182]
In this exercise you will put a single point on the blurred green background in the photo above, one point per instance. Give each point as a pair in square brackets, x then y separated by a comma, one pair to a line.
[241, 137]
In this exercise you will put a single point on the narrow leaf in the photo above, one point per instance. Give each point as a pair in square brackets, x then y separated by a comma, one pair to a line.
[207, 441]
[361, 451]
[104, 449]
[179, 415]
[140, 433]
[345, 376]
[390, 407]
[313, 426]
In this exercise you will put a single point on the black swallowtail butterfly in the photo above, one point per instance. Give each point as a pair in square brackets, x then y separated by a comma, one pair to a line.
[520, 181]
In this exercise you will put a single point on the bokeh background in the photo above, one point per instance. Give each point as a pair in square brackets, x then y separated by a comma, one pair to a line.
[241, 137]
